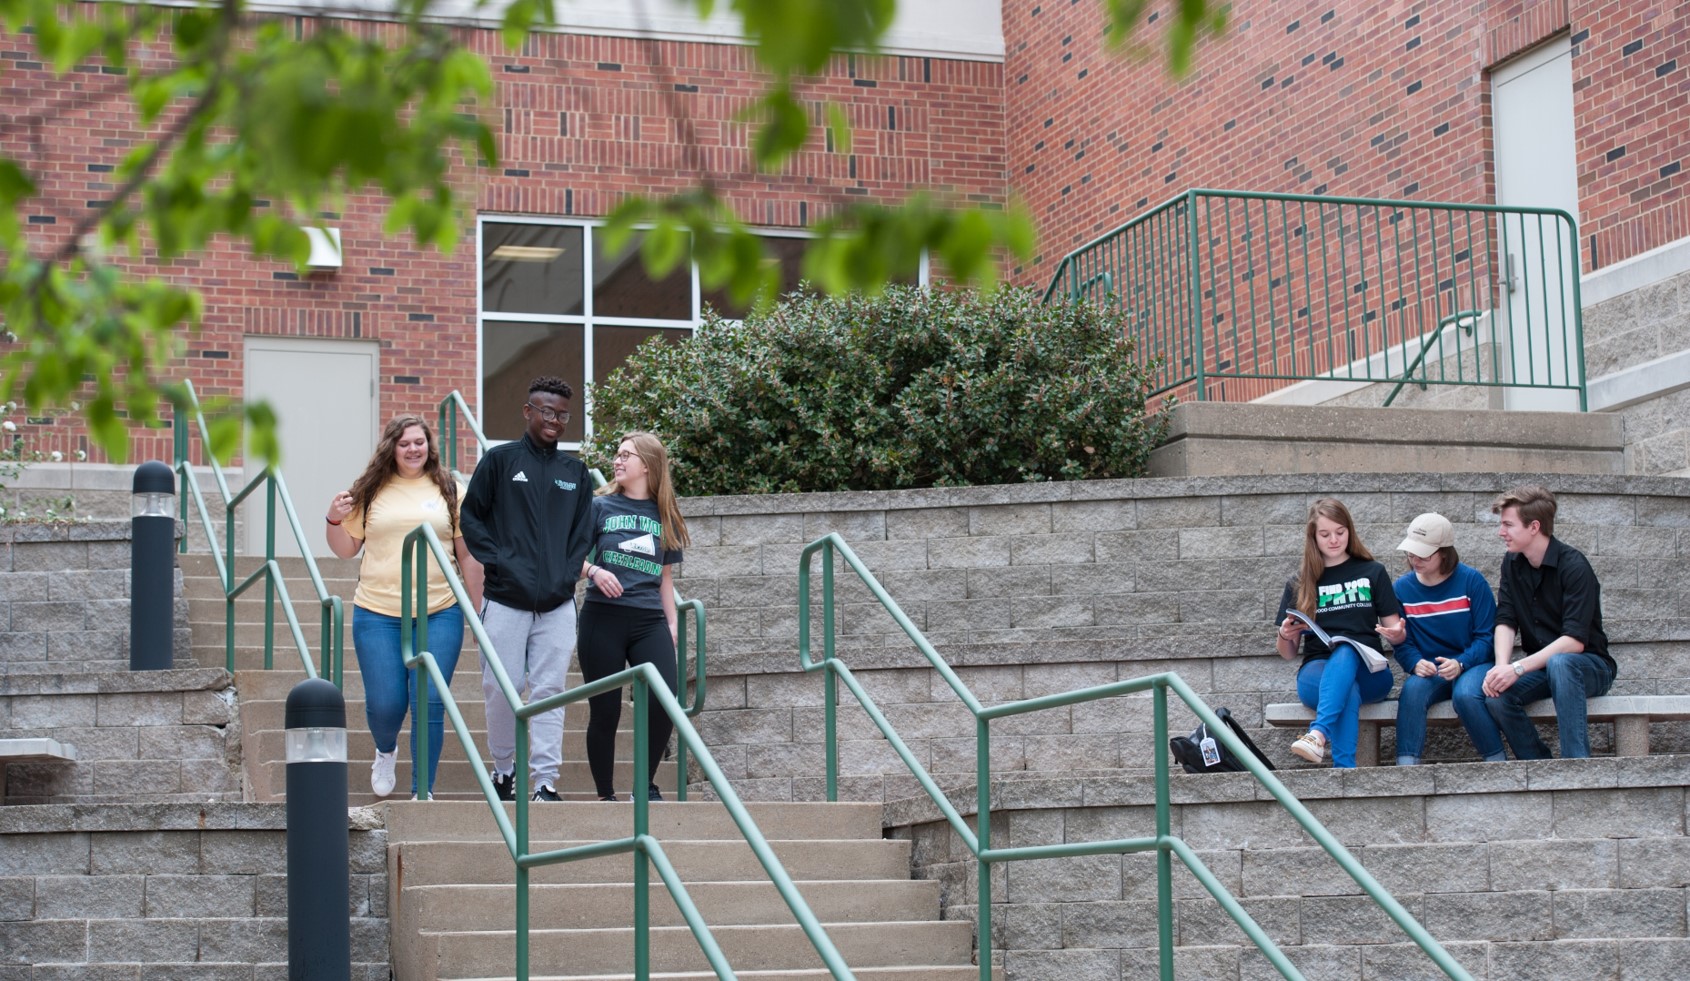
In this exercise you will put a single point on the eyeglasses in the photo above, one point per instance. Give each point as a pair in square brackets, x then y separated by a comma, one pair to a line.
[624, 456]
[547, 414]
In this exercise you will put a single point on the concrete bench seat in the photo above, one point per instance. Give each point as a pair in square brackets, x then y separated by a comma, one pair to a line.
[34, 750]
[1630, 714]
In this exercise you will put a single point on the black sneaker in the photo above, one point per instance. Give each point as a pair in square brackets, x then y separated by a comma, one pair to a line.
[545, 792]
[504, 786]
[653, 794]
[611, 797]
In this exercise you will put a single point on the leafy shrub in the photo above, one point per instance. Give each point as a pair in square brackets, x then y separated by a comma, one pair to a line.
[911, 388]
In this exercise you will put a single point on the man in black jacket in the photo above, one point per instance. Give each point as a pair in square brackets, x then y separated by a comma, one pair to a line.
[526, 518]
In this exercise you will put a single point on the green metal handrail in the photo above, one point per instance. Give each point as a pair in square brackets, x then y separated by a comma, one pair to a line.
[1231, 295]
[1465, 320]
[1164, 843]
[452, 407]
[421, 544]
[275, 490]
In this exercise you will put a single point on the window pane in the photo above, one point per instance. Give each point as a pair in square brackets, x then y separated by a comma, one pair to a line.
[614, 345]
[623, 288]
[512, 356]
[532, 268]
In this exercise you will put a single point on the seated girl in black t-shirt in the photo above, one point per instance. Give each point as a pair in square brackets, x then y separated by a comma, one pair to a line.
[1346, 592]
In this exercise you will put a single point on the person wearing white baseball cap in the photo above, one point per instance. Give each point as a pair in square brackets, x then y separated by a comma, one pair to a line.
[1450, 613]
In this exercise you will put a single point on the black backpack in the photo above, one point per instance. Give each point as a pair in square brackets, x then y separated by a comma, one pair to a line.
[1188, 750]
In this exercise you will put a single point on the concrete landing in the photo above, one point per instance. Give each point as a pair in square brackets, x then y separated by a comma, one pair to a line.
[1233, 438]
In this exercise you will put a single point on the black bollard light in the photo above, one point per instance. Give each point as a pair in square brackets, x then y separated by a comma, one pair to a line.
[152, 569]
[319, 919]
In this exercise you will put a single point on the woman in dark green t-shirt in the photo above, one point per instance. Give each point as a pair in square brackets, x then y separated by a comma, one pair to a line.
[629, 614]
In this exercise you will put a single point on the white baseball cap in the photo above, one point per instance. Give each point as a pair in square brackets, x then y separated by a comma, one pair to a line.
[1428, 533]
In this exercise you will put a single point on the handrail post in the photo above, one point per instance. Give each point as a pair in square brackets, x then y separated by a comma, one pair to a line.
[1164, 829]
[642, 821]
[1196, 323]
[179, 440]
[983, 835]
[269, 571]
[519, 781]
[229, 586]
[421, 684]
[830, 690]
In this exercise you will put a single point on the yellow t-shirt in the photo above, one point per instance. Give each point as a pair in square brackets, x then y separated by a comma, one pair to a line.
[400, 505]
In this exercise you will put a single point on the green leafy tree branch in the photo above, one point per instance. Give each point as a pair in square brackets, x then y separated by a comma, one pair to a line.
[254, 125]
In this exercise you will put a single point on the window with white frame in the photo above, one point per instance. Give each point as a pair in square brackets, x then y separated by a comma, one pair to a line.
[554, 302]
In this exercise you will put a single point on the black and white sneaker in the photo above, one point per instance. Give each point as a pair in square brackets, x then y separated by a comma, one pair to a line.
[545, 792]
[504, 786]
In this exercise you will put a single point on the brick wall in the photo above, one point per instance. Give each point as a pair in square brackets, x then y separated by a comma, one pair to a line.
[580, 121]
[1352, 99]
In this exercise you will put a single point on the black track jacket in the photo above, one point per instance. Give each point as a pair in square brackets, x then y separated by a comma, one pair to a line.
[527, 518]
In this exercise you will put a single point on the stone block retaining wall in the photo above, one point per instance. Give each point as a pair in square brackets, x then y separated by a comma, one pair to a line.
[141, 736]
[1561, 870]
[64, 598]
[168, 892]
[1042, 588]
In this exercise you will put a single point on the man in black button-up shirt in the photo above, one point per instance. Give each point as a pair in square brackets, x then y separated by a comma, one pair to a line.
[1550, 599]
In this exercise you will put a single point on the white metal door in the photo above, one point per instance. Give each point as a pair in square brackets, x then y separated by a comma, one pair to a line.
[324, 394]
[1536, 167]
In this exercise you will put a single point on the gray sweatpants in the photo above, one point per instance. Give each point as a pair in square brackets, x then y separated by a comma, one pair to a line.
[535, 649]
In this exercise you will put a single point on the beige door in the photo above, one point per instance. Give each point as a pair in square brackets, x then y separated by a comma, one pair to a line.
[324, 394]
[1536, 165]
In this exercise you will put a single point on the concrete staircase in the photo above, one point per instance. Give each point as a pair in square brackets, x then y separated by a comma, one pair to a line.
[263, 694]
[453, 908]
[451, 904]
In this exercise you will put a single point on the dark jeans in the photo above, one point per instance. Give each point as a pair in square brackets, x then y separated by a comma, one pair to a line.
[1569, 679]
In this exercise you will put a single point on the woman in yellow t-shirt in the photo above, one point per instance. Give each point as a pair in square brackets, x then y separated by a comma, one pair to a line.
[403, 486]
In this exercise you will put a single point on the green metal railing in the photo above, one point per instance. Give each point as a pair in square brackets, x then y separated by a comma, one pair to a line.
[452, 408]
[1163, 843]
[275, 492]
[422, 544]
[1231, 295]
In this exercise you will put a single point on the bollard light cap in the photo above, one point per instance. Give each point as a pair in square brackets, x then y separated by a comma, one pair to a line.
[154, 477]
[315, 704]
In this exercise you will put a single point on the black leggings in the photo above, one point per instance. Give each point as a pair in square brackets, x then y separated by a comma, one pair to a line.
[613, 637]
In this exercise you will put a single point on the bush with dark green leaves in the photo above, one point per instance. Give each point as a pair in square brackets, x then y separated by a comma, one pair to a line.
[911, 388]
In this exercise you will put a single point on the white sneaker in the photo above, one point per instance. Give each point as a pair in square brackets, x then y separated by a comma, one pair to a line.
[381, 773]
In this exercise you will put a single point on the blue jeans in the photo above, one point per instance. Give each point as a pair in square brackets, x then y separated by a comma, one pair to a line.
[389, 689]
[1336, 688]
[1467, 690]
[1569, 679]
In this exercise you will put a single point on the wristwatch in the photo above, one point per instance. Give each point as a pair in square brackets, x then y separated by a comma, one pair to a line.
[1518, 669]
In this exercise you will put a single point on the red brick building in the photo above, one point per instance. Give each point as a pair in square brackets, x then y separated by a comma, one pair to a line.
[1394, 100]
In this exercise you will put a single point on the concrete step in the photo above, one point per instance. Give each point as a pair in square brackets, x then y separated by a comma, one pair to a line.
[455, 777]
[567, 953]
[446, 821]
[449, 863]
[1214, 438]
[360, 745]
[608, 905]
[201, 564]
[925, 972]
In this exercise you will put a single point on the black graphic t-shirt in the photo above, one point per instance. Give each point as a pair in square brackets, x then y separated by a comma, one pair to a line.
[1353, 595]
[628, 540]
